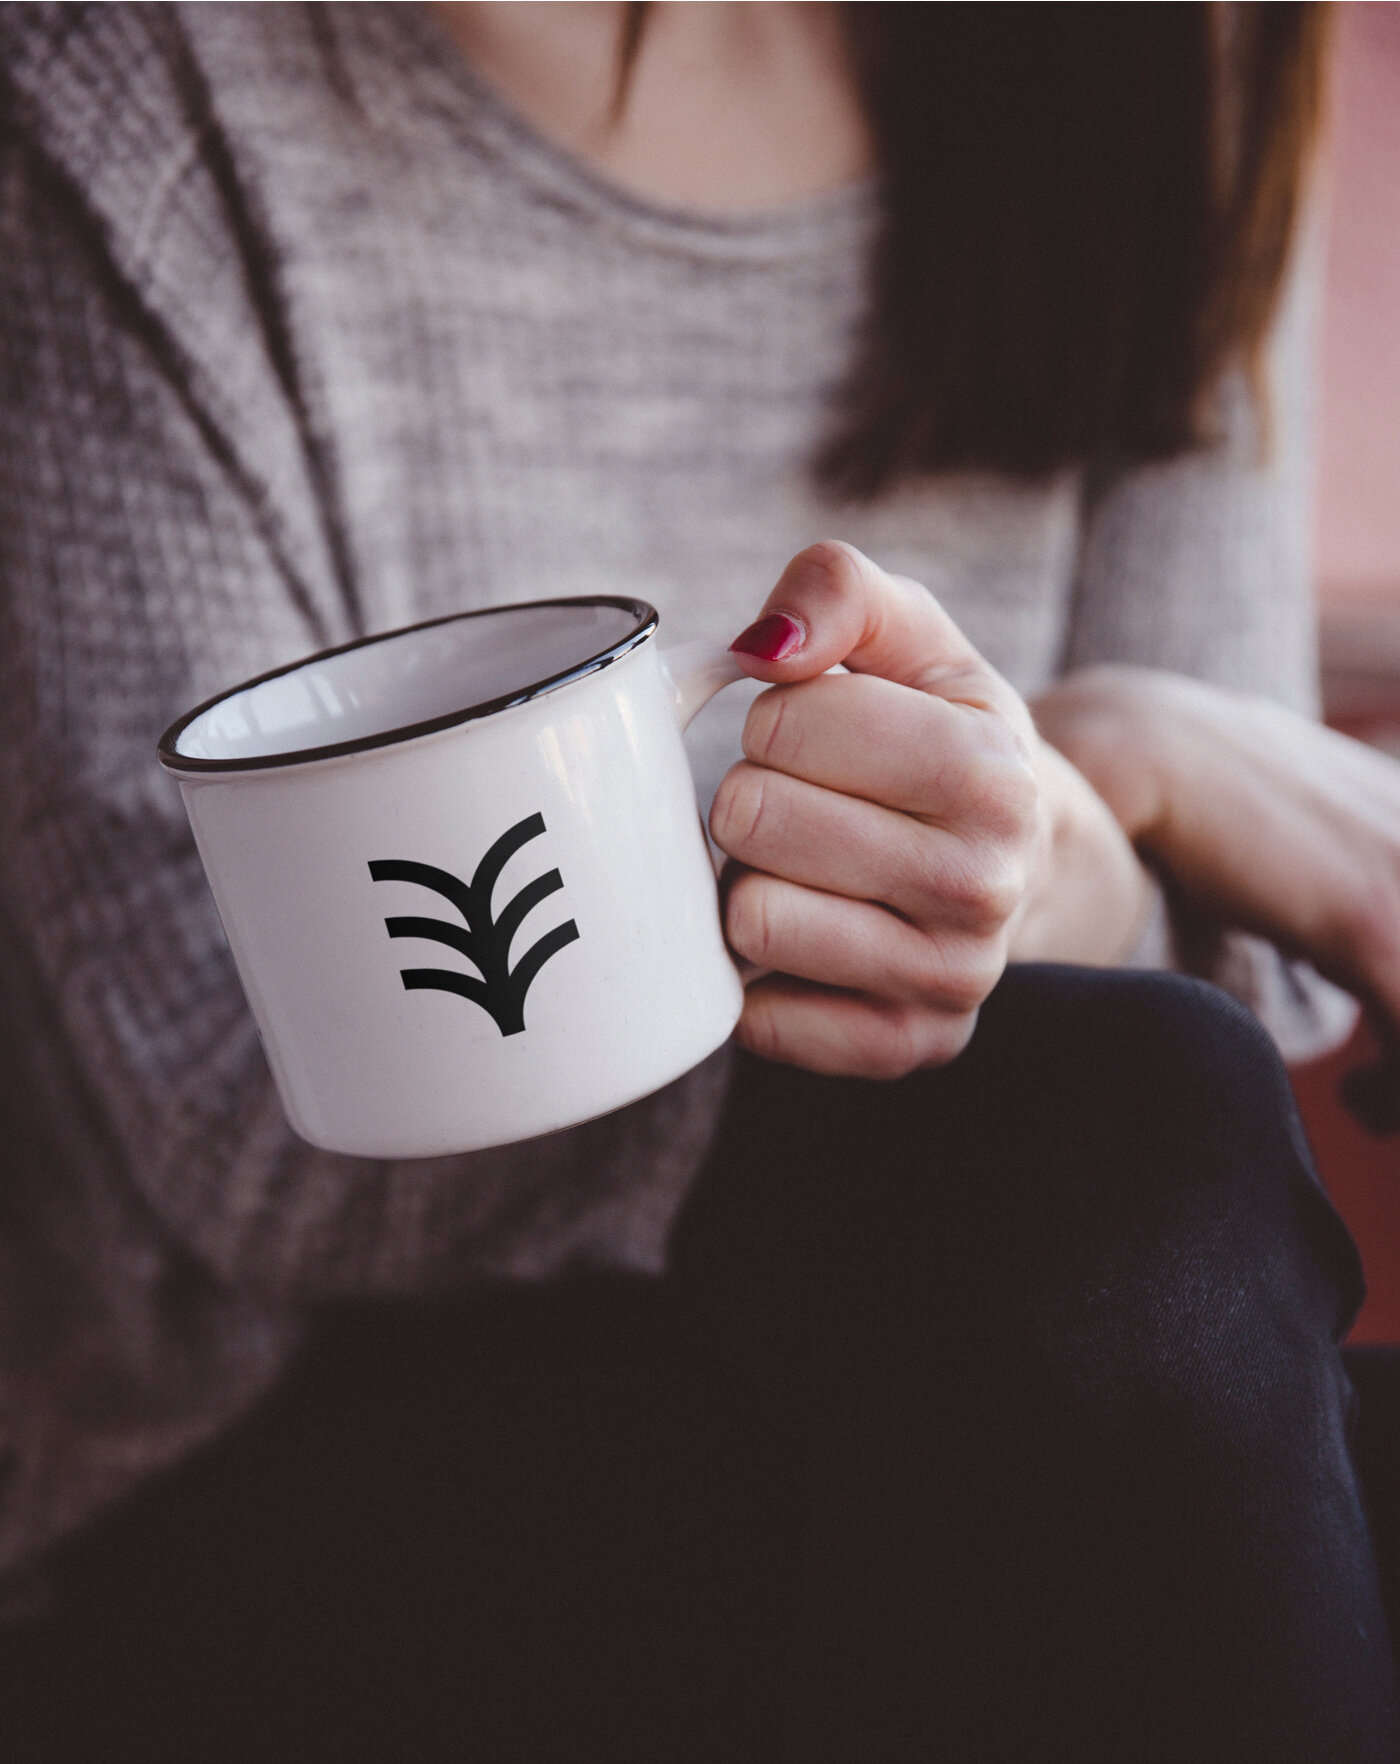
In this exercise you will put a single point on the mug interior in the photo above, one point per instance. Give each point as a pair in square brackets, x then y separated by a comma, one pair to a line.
[407, 683]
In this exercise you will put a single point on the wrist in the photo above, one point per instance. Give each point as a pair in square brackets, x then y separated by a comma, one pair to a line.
[1090, 896]
[1107, 723]
[1153, 942]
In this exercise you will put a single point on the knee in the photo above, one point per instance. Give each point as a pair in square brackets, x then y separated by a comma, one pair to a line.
[1174, 1200]
[1158, 1059]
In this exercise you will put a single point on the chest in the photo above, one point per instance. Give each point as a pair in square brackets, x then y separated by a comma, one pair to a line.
[523, 383]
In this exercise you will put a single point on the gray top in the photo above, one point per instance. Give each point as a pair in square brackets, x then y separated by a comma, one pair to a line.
[304, 334]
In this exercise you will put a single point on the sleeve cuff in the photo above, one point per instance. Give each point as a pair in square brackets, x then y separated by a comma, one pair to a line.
[1306, 1015]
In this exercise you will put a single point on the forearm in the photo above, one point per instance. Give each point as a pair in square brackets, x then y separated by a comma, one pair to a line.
[1263, 819]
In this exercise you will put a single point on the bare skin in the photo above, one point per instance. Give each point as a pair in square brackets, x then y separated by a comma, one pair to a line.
[1268, 819]
[897, 835]
[730, 107]
[900, 832]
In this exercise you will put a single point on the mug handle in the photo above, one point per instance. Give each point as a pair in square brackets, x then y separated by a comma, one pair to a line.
[695, 672]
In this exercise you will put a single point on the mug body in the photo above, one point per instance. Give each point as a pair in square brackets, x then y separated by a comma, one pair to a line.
[478, 932]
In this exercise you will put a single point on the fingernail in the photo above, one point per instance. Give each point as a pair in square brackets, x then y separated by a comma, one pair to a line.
[773, 638]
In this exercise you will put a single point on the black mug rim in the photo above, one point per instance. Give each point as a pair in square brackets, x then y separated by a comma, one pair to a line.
[647, 621]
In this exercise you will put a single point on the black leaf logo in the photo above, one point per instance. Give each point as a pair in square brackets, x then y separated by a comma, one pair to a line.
[486, 941]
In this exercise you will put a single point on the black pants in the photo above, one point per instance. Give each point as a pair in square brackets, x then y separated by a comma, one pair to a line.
[994, 1414]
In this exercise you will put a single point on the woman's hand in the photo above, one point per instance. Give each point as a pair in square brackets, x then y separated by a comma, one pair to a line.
[897, 831]
[1262, 816]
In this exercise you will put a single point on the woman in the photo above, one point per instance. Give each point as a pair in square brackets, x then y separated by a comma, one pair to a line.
[991, 1410]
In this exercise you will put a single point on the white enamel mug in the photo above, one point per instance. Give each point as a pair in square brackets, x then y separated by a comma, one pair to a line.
[463, 876]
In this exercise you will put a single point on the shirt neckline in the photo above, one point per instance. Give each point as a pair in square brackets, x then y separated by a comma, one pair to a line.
[793, 229]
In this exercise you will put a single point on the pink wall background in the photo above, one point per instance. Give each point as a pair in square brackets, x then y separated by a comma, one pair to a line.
[1358, 524]
[1358, 560]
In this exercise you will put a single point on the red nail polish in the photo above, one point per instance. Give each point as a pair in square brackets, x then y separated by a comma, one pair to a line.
[773, 638]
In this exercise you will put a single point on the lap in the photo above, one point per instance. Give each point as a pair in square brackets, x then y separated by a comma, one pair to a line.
[1100, 1125]
[886, 1439]
[1097, 1237]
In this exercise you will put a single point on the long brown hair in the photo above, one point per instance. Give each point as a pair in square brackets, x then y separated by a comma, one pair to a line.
[1087, 218]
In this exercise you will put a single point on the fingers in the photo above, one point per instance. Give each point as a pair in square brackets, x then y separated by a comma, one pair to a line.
[843, 845]
[884, 818]
[832, 604]
[923, 755]
[855, 945]
[846, 1033]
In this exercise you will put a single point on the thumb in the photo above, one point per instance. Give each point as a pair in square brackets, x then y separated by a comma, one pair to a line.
[832, 604]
